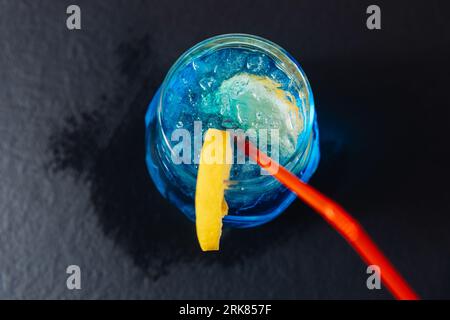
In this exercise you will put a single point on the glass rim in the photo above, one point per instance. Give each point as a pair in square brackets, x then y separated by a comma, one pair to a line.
[290, 67]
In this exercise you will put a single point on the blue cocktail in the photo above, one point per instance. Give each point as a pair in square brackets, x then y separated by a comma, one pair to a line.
[234, 82]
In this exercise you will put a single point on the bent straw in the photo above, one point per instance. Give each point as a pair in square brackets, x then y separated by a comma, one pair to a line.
[340, 220]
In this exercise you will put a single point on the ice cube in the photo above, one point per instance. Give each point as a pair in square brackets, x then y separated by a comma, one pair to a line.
[206, 83]
[258, 63]
[259, 103]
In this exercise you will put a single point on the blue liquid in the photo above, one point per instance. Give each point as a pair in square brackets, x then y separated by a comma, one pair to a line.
[232, 88]
[220, 91]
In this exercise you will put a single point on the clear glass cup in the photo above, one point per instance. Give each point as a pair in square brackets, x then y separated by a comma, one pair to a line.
[252, 201]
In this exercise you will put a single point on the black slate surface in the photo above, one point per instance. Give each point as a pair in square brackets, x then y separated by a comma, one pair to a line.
[74, 187]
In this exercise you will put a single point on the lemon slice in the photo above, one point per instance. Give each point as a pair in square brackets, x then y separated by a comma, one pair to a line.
[210, 204]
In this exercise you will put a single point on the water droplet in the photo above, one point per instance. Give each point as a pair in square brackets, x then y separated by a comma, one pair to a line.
[206, 83]
[179, 124]
[195, 65]
[254, 63]
[224, 102]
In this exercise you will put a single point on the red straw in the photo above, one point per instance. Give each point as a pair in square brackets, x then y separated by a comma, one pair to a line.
[340, 220]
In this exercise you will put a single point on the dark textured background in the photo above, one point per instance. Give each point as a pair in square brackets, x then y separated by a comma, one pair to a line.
[74, 187]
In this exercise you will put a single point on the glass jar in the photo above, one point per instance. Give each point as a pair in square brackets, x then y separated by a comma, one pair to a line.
[252, 201]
